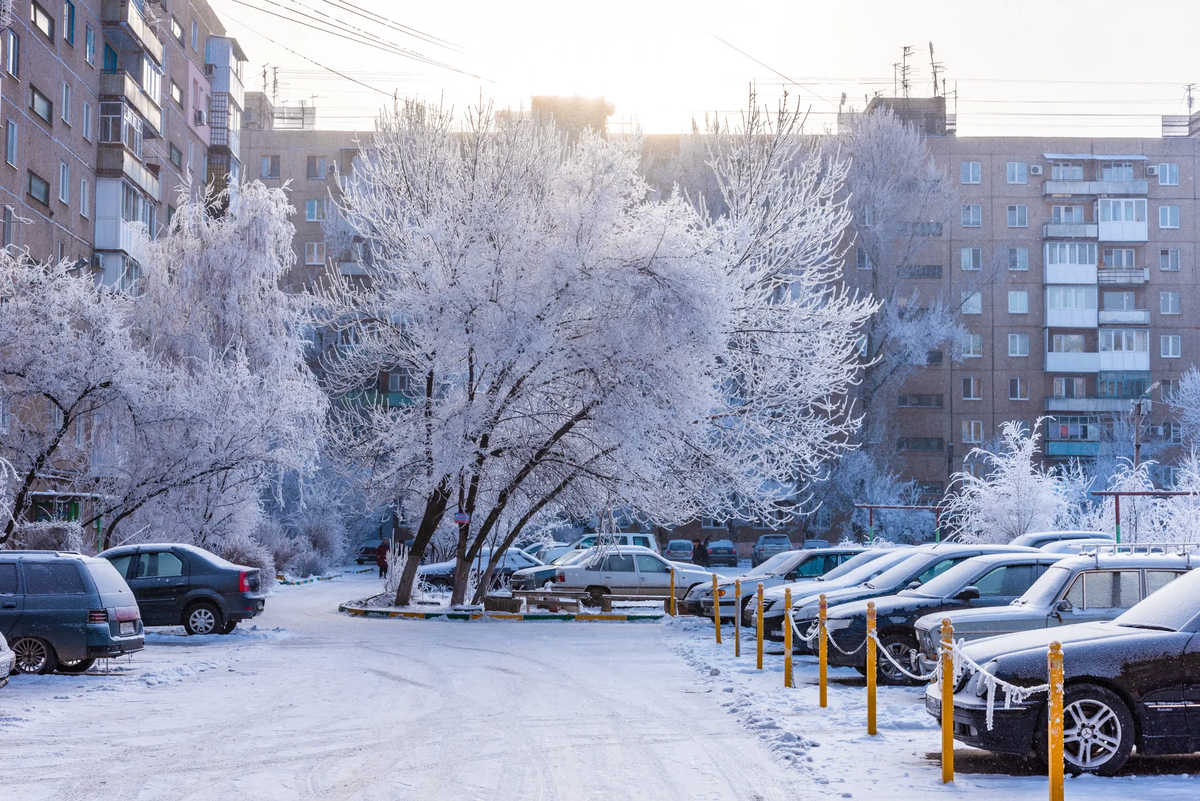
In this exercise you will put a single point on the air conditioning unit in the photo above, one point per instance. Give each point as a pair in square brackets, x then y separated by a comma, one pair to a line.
[1035, 169]
[1151, 170]
[331, 169]
[201, 117]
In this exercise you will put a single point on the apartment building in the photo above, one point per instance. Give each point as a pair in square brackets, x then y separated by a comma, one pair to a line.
[1072, 263]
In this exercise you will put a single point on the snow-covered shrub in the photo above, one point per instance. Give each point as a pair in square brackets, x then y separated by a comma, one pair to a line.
[241, 549]
[326, 535]
[52, 535]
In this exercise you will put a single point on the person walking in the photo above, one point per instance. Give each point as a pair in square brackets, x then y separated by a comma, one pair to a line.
[702, 557]
[381, 558]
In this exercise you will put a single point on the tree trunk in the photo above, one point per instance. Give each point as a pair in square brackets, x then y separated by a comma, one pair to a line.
[435, 508]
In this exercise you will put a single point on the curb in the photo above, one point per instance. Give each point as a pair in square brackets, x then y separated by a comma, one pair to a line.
[360, 570]
[360, 611]
[282, 580]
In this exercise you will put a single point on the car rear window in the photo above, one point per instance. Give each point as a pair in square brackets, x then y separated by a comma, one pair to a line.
[776, 540]
[53, 578]
[8, 578]
[106, 577]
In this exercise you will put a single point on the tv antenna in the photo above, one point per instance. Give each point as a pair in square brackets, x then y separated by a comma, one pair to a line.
[1190, 100]
[900, 71]
[936, 67]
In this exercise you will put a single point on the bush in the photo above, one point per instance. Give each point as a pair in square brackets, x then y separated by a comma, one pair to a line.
[244, 550]
[50, 536]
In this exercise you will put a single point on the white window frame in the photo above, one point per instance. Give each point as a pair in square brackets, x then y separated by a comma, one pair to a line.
[1018, 216]
[972, 432]
[1018, 343]
[1168, 217]
[1018, 172]
[64, 182]
[1022, 388]
[1108, 206]
[970, 259]
[969, 349]
[1168, 303]
[85, 192]
[1169, 346]
[972, 389]
[1018, 259]
[1168, 174]
[12, 142]
[1018, 301]
[970, 172]
[972, 299]
[862, 259]
[314, 253]
[972, 215]
[86, 121]
[314, 210]
[1170, 257]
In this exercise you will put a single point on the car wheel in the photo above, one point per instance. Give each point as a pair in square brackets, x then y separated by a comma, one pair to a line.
[899, 646]
[1098, 731]
[202, 618]
[77, 666]
[34, 655]
[440, 584]
[595, 596]
[227, 627]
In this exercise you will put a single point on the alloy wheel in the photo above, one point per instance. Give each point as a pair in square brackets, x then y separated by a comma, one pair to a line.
[31, 655]
[1091, 733]
[203, 620]
[899, 651]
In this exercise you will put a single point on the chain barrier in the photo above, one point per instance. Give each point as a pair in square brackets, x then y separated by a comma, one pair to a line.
[936, 673]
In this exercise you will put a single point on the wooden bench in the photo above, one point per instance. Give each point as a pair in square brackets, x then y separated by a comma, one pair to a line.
[575, 599]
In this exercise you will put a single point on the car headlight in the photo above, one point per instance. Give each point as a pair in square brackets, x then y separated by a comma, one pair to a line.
[979, 682]
[839, 623]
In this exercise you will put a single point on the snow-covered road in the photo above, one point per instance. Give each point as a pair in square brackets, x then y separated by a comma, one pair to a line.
[314, 704]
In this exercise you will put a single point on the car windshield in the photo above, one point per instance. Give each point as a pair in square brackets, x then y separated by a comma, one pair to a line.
[570, 557]
[949, 583]
[904, 571]
[1168, 609]
[779, 563]
[1045, 590]
[868, 570]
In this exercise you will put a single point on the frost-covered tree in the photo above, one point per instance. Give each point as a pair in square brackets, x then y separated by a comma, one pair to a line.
[1013, 493]
[1185, 402]
[567, 341]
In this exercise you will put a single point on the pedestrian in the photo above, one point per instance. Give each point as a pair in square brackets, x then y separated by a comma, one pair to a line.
[701, 553]
[381, 558]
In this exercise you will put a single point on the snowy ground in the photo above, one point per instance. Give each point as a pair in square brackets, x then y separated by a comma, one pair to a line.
[313, 704]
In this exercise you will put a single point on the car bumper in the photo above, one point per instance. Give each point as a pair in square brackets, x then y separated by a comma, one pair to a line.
[728, 560]
[7, 659]
[245, 607]
[115, 646]
[728, 608]
[1013, 729]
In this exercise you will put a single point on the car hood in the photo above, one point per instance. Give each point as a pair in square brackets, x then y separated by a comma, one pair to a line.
[533, 571]
[966, 617]
[804, 587]
[811, 598]
[891, 605]
[1038, 640]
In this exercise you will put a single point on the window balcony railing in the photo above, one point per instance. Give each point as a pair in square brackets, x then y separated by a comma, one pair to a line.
[1131, 187]
[1053, 230]
[119, 83]
[1125, 316]
[1122, 276]
[125, 23]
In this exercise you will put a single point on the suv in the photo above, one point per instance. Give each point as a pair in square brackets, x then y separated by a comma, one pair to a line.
[177, 584]
[62, 611]
[767, 546]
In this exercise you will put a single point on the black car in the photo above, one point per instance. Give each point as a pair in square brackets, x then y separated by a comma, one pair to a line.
[182, 584]
[722, 552]
[1133, 681]
[992, 580]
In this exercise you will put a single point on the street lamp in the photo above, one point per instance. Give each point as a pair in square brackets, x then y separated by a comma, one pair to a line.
[1139, 410]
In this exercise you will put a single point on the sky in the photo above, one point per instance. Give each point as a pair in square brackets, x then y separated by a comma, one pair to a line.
[1018, 67]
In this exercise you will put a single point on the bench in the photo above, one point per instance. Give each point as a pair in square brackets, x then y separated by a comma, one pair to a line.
[573, 599]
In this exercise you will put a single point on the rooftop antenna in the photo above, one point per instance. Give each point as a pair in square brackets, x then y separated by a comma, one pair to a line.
[904, 69]
[275, 86]
[1190, 100]
[935, 67]
[842, 103]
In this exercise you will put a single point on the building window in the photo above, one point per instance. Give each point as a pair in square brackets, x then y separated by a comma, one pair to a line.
[1169, 346]
[176, 156]
[314, 210]
[972, 432]
[919, 444]
[971, 258]
[12, 58]
[1168, 216]
[84, 197]
[1018, 389]
[1119, 384]
[177, 30]
[971, 172]
[1066, 171]
[972, 303]
[972, 389]
[1070, 297]
[920, 271]
[69, 22]
[316, 166]
[1070, 388]
[10, 142]
[933, 358]
[42, 20]
[1168, 302]
[41, 105]
[1124, 340]
[39, 188]
[1167, 388]
[973, 346]
[972, 216]
[89, 44]
[862, 258]
[1066, 215]
[64, 182]
[1066, 343]
[919, 401]
[1168, 259]
[1018, 344]
[1118, 257]
[195, 36]
[1168, 174]
[1018, 216]
[314, 252]
[1122, 209]
[9, 219]
[1116, 171]
[66, 103]
[1018, 301]
[177, 94]
[1071, 253]
[1017, 172]
[87, 121]
[269, 167]
[1018, 259]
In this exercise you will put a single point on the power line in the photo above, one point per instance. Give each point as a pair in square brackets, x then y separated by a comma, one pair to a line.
[396, 26]
[767, 66]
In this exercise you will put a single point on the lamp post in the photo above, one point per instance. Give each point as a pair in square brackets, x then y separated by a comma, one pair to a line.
[1139, 409]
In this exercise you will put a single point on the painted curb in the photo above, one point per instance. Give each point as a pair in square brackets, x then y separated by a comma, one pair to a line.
[614, 617]
[314, 579]
[360, 570]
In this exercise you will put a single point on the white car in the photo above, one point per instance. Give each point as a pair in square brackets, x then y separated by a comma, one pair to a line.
[583, 543]
[7, 658]
[628, 570]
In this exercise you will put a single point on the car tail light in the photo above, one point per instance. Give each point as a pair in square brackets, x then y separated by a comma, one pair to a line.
[98, 616]
[244, 581]
[560, 576]
[710, 550]
[126, 613]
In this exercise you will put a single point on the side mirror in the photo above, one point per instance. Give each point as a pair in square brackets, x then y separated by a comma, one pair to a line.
[1064, 606]
[968, 594]
[912, 585]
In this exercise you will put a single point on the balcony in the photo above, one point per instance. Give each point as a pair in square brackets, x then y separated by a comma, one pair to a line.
[1125, 317]
[1122, 276]
[1072, 362]
[113, 233]
[118, 83]
[1123, 231]
[125, 24]
[116, 159]
[1124, 360]
[1094, 188]
[1071, 318]
[1069, 230]
[1070, 274]
[1072, 447]
[1087, 405]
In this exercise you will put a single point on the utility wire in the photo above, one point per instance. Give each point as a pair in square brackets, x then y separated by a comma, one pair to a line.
[767, 66]
[396, 26]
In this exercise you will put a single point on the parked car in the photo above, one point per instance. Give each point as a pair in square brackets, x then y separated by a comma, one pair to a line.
[814, 543]
[924, 564]
[536, 577]
[984, 581]
[767, 546]
[1076, 589]
[63, 611]
[365, 555]
[628, 570]
[642, 540]
[182, 584]
[722, 552]
[782, 568]
[441, 574]
[1129, 682]
[1042, 538]
[8, 661]
[679, 550]
[538, 549]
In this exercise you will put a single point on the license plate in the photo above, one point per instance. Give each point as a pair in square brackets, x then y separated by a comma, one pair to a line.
[933, 705]
[128, 628]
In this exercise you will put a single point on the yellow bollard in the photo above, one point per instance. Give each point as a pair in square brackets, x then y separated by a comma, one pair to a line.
[822, 653]
[787, 637]
[947, 701]
[672, 607]
[759, 625]
[716, 609]
[737, 617]
[1054, 750]
[870, 647]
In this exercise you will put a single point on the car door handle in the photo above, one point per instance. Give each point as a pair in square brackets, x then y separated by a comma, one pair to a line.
[10, 604]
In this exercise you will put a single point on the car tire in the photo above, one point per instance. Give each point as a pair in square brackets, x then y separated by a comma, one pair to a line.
[899, 646]
[595, 596]
[202, 618]
[440, 584]
[227, 627]
[34, 656]
[1109, 713]
[78, 666]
